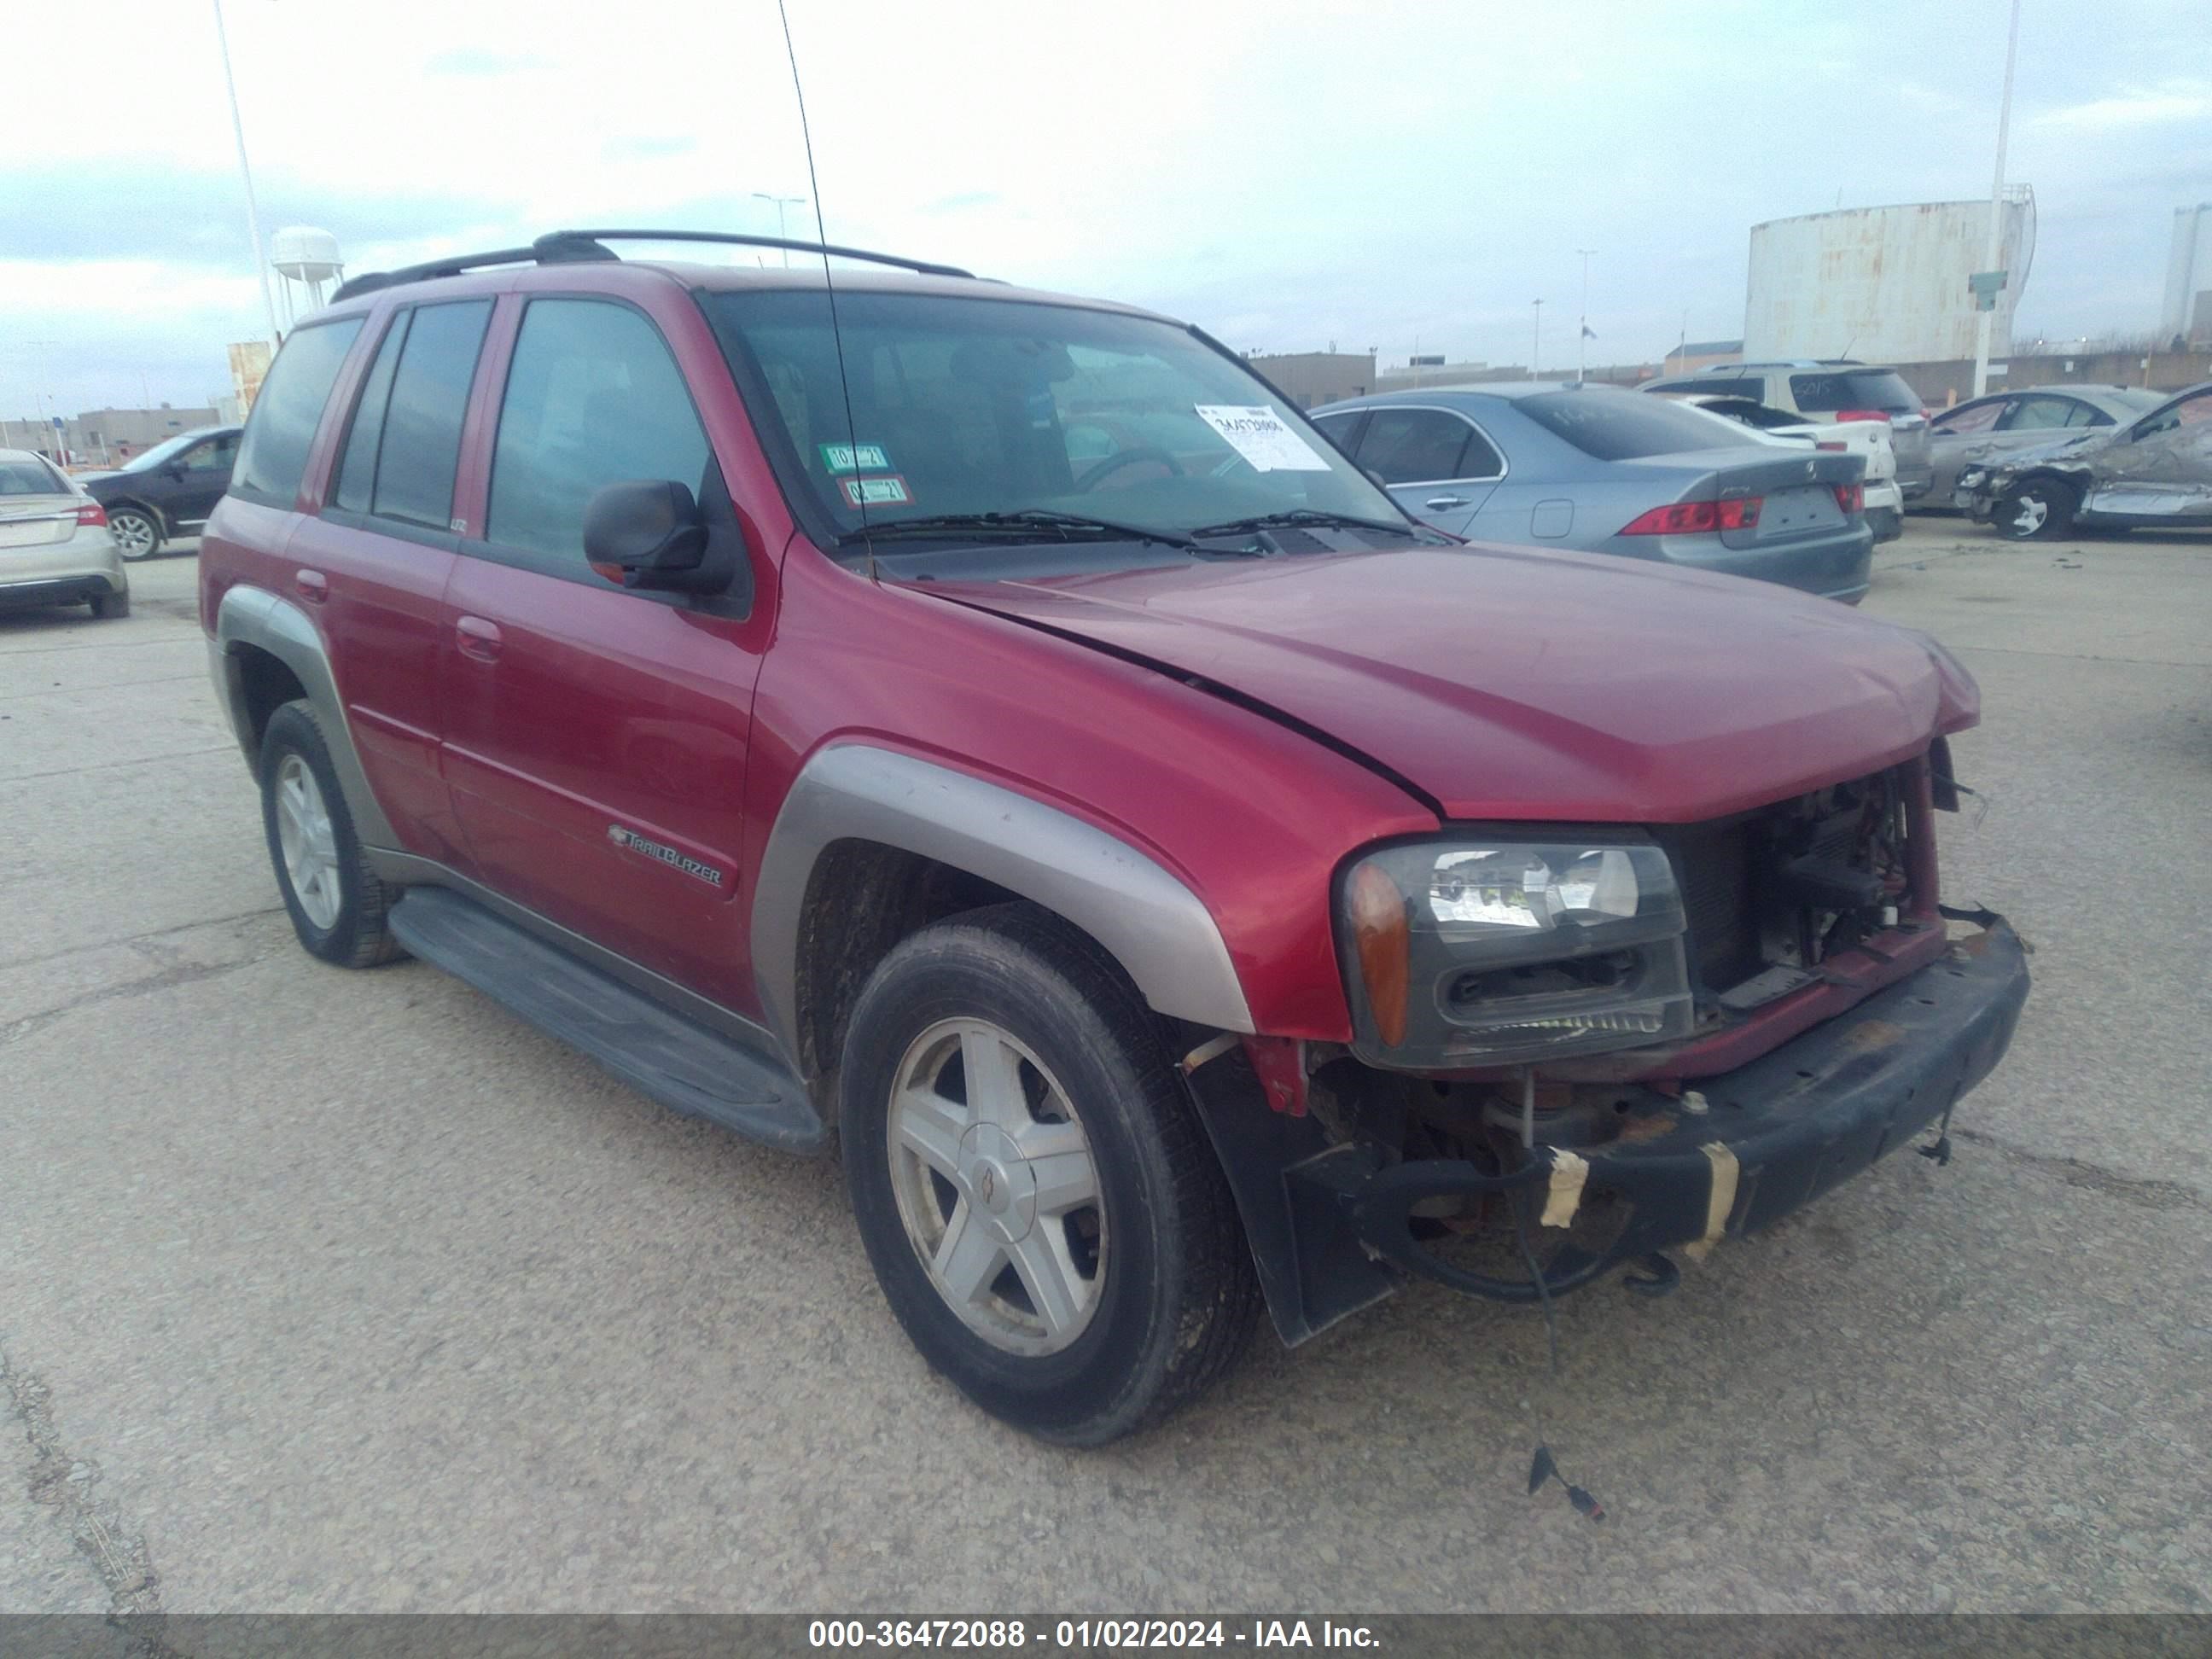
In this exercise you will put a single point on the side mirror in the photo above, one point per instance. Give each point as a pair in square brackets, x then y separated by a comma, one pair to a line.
[649, 532]
[175, 470]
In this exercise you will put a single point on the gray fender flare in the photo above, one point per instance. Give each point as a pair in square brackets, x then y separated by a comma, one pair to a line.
[1155, 927]
[255, 618]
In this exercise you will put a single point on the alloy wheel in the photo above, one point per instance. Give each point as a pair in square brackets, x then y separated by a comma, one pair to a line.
[997, 1187]
[308, 842]
[134, 534]
[2029, 514]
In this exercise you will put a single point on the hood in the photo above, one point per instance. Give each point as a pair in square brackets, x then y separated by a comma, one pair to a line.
[1510, 683]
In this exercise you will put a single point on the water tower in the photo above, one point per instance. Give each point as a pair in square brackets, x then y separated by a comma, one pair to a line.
[308, 260]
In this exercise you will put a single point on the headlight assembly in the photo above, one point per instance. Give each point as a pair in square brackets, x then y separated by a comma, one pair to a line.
[1481, 952]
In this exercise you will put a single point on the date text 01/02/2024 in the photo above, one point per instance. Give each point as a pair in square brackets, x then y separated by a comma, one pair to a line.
[1014, 1635]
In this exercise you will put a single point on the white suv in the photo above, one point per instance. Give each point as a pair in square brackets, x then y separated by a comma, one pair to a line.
[1833, 388]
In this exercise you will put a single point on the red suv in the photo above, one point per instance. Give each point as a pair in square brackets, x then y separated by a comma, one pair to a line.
[996, 735]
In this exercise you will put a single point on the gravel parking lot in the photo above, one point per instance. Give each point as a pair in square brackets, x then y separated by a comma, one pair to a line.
[322, 1290]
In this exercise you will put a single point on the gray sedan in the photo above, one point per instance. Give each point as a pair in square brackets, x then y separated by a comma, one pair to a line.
[1598, 470]
[1990, 429]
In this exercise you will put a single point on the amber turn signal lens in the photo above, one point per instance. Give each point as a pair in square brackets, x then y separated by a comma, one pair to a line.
[1382, 937]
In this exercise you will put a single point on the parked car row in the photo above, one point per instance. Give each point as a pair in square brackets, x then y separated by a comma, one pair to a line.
[993, 737]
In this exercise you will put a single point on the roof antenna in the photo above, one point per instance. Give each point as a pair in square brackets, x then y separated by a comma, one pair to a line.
[859, 495]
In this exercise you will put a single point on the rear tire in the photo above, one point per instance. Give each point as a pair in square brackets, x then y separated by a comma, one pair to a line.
[107, 605]
[336, 901]
[2038, 510]
[138, 532]
[1080, 1118]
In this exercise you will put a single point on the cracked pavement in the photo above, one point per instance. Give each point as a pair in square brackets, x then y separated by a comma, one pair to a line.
[330, 1291]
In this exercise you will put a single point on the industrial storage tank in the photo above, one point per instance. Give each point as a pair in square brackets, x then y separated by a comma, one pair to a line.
[1884, 284]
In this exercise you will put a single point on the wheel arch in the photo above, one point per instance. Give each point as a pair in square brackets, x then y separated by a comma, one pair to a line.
[266, 652]
[870, 844]
[139, 504]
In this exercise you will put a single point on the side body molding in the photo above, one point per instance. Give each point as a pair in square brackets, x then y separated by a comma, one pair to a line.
[254, 618]
[1155, 927]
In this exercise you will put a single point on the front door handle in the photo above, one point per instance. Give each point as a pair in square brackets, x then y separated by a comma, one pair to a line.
[1438, 503]
[311, 586]
[477, 638]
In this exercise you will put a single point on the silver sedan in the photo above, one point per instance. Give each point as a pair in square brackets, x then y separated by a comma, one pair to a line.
[55, 545]
[1989, 428]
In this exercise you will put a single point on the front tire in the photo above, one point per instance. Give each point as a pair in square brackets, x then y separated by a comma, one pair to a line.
[138, 533]
[1038, 1199]
[336, 901]
[2041, 510]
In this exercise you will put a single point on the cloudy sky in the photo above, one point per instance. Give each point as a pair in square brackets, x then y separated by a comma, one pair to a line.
[1288, 174]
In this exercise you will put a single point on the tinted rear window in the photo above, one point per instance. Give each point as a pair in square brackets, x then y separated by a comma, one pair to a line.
[1622, 426]
[429, 394]
[273, 454]
[29, 478]
[1829, 390]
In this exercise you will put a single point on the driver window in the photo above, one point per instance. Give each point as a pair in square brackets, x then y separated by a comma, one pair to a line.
[215, 455]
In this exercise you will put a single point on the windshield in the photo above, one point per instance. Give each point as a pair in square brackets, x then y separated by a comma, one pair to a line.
[167, 450]
[1624, 425]
[966, 406]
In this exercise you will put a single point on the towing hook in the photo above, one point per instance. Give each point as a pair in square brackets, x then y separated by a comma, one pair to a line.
[1940, 1151]
[1664, 1278]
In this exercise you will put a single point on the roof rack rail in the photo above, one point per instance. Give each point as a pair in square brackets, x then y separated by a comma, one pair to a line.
[588, 246]
[559, 238]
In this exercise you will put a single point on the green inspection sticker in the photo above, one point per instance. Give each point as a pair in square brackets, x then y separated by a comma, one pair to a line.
[854, 458]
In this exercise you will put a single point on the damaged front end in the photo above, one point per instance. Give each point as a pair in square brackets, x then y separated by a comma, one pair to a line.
[2156, 471]
[1601, 1048]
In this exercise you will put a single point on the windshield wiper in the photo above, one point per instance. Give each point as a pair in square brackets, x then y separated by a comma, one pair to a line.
[1030, 523]
[1300, 517]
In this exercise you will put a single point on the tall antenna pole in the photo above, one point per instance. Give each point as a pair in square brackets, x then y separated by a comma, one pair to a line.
[1995, 245]
[246, 172]
[1536, 338]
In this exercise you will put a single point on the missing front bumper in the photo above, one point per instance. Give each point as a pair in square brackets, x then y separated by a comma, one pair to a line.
[1774, 1135]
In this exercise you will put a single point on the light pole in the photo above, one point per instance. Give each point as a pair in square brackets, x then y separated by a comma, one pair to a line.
[246, 172]
[1995, 244]
[1536, 338]
[781, 201]
[1582, 340]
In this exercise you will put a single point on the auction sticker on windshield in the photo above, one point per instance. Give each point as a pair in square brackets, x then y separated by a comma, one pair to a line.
[876, 492]
[1258, 433]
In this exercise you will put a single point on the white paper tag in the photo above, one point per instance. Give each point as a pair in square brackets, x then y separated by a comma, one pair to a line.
[1259, 436]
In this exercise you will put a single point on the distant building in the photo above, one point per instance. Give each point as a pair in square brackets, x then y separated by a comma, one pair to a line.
[1693, 355]
[1434, 371]
[111, 435]
[1311, 377]
[2187, 313]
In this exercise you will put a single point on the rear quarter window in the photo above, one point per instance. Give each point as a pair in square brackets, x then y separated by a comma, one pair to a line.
[272, 456]
[1624, 427]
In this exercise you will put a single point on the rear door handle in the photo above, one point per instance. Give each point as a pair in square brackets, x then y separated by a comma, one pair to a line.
[478, 638]
[311, 585]
[1438, 503]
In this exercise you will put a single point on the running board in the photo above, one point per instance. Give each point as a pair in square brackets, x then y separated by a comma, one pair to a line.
[654, 1050]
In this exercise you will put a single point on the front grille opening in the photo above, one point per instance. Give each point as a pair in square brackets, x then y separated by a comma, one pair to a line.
[1772, 893]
